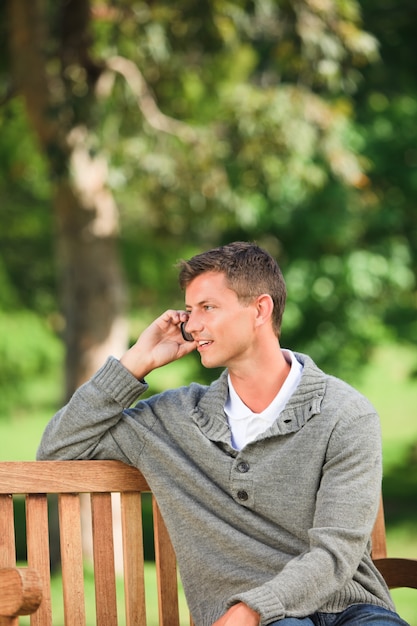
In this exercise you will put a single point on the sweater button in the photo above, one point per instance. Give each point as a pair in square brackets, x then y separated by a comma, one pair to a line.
[242, 495]
[243, 467]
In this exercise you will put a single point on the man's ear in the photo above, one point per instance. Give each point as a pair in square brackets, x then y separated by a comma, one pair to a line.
[264, 308]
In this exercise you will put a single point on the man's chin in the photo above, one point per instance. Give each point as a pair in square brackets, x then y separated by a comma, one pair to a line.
[210, 363]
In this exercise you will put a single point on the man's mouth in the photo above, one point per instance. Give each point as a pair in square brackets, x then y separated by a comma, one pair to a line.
[204, 342]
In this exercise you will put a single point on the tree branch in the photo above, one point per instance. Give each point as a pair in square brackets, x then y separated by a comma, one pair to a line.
[146, 101]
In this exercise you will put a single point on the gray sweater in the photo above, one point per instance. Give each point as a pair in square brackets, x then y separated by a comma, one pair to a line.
[283, 525]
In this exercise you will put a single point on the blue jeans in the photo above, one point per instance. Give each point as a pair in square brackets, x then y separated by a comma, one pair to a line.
[354, 615]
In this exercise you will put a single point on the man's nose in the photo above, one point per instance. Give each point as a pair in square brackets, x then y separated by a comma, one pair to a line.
[193, 324]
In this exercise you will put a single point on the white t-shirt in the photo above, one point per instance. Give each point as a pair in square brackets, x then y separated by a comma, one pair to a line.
[244, 424]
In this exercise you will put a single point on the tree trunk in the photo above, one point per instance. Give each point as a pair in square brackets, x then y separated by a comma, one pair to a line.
[90, 277]
[89, 274]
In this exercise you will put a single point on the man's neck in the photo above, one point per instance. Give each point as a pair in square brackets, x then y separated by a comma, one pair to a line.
[258, 386]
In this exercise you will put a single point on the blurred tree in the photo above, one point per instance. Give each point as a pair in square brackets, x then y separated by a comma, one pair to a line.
[202, 122]
[274, 156]
[55, 74]
[386, 105]
[279, 160]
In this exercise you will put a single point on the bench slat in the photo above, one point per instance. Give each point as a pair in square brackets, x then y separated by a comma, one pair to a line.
[103, 552]
[166, 570]
[379, 541]
[7, 538]
[71, 559]
[133, 558]
[37, 537]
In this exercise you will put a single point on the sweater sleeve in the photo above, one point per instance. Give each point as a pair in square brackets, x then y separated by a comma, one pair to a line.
[82, 428]
[346, 507]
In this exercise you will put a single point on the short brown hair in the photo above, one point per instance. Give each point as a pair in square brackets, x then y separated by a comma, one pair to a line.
[250, 271]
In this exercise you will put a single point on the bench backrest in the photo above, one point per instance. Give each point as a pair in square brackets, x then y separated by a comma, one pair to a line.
[101, 479]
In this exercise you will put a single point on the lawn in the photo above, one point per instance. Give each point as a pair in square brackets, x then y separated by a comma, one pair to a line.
[386, 382]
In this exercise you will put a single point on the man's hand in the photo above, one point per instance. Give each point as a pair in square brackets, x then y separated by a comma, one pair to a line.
[159, 344]
[239, 615]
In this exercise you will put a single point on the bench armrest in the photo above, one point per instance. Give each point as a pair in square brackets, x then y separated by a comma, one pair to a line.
[20, 591]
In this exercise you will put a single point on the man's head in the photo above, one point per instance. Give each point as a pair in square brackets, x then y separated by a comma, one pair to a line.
[250, 271]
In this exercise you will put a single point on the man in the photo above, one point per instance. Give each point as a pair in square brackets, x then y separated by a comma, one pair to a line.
[268, 479]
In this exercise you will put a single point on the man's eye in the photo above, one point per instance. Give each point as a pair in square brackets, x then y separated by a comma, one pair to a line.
[208, 307]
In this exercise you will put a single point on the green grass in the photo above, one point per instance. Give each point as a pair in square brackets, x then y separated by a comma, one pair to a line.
[386, 382]
[389, 383]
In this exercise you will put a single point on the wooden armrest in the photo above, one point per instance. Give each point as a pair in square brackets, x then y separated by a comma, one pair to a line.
[20, 591]
[398, 572]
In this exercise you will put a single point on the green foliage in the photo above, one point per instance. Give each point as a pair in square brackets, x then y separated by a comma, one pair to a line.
[276, 158]
[27, 275]
[22, 165]
[387, 108]
[274, 155]
[28, 349]
[245, 127]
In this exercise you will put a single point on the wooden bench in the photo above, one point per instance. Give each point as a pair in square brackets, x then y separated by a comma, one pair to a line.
[27, 590]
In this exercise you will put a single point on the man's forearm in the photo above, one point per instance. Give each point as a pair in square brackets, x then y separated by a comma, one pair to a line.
[74, 432]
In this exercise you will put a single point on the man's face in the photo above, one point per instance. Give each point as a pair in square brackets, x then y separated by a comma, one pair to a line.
[221, 325]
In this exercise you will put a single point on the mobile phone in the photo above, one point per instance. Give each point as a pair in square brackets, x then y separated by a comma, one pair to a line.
[186, 336]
